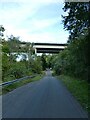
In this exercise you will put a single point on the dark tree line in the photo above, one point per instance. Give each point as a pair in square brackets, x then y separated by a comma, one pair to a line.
[77, 20]
[74, 60]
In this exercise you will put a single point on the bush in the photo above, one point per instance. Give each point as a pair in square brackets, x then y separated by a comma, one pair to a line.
[18, 69]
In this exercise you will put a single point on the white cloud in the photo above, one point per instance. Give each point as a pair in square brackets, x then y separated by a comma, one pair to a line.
[17, 16]
[33, 1]
[48, 37]
[37, 24]
[59, 37]
[21, 21]
[11, 30]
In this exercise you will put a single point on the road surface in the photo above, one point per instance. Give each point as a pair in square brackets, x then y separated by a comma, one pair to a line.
[47, 98]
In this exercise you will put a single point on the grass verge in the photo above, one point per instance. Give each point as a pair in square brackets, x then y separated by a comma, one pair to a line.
[13, 86]
[78, 88]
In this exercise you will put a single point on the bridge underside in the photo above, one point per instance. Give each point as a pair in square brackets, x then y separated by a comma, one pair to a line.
[48, 50]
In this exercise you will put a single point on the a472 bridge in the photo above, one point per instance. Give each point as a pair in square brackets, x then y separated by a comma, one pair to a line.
[48, 47]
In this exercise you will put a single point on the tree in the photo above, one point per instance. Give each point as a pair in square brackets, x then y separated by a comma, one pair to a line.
[5, 65]
[2, 29]
[75, 62]
[44, 63]
[36, 65]
[5, 47]
[49, 59]
[14, 44]
[77, 20]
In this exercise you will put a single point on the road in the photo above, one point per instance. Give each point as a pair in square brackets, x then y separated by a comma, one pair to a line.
[47, 98]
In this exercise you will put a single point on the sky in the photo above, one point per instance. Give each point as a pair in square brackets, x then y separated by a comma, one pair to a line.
[34, 20]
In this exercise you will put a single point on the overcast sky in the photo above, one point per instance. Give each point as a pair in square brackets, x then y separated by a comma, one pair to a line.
[34, 20]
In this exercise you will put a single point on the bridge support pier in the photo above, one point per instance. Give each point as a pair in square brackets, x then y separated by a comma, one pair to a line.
[35, 51]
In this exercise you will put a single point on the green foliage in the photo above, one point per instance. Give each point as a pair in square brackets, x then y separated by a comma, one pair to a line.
[17, 69]
[5, 65]
[2, 29]
[49, 60]
[44, 63]
[78, 88]
[36, 65]
[14, 44]
[5, 47]
[77, 20]
[11, 68]
[73, 60]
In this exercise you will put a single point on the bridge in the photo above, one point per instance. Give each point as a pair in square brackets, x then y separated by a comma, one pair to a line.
[41, 47]
[48, 47]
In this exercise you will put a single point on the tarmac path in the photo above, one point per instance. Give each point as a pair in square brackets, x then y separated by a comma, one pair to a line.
[46, 98]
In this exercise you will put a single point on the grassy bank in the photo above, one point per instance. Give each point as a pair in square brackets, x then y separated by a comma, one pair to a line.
[13, 86]
[78, 88]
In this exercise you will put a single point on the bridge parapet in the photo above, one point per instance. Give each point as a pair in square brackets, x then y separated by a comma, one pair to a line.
[48, 47]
